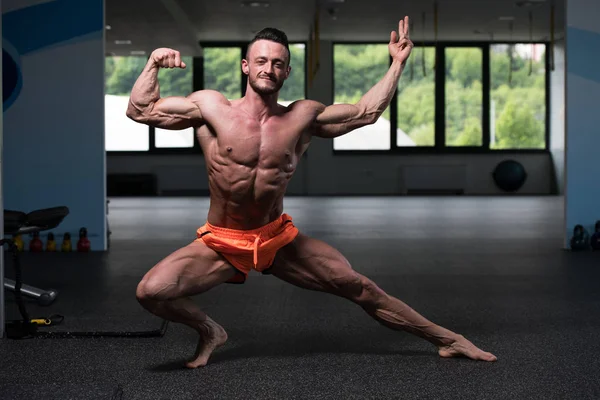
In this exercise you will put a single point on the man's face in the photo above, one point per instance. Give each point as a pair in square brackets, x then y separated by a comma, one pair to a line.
[266, 66]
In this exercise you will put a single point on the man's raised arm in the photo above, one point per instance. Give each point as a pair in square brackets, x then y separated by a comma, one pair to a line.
[146, 106]
[339, 119]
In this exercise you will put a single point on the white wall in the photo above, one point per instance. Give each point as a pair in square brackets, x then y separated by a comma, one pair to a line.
[1, 204]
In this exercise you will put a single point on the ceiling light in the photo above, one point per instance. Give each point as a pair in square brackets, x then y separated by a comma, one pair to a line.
[137, 52]
[122, 41]
[255, 3]
[529, 3]
[108, 27]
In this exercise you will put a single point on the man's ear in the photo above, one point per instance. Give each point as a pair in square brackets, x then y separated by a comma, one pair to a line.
[289, 70]
[245, 67]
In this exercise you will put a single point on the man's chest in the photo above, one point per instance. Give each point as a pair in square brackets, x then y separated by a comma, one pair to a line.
[246, 141]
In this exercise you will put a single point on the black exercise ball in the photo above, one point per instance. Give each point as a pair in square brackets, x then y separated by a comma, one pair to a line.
[509, 175]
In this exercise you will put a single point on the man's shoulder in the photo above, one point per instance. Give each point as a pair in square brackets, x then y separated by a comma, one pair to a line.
[208, 95]
[306, 106]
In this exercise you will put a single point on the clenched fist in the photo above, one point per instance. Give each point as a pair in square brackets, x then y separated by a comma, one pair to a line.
[167, 58]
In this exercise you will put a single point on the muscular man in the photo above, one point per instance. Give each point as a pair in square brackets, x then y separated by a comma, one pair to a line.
[252, 147]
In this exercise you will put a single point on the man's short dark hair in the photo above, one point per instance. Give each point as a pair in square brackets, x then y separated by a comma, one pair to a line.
[274, 35]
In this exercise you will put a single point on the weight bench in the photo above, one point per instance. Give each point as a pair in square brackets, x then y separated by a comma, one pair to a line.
[20, 223]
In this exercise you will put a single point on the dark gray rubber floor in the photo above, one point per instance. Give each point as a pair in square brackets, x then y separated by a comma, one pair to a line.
[489, 268]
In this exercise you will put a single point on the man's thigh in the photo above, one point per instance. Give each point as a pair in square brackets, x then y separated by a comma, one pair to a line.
[190, 270]
[313, 264]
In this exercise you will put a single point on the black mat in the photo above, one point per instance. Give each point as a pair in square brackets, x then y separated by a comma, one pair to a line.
[490, 269]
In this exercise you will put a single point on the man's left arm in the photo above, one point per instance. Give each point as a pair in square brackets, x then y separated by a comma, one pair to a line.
[339, 119]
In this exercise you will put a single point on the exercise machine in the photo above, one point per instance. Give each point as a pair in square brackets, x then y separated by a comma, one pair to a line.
[20, 223]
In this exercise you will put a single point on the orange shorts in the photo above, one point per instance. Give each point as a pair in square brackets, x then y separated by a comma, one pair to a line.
[249, 249]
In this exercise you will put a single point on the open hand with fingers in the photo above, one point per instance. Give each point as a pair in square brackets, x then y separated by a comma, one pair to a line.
[167, 58]
[400, 44]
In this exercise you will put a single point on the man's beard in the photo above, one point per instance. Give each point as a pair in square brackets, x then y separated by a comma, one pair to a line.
[265, 91]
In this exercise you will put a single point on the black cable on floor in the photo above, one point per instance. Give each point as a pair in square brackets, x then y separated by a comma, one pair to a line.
[140, 334]
[24, 329]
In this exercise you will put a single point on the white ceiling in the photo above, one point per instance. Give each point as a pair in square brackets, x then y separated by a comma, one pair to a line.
[181, 24]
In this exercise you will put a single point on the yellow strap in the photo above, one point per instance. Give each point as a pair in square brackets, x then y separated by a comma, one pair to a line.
[41, 321]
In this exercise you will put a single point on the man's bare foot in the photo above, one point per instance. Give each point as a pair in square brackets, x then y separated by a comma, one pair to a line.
[462, 347]
[212, 335]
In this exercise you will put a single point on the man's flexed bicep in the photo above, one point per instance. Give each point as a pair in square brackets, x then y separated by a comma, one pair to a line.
[146, 106]
[169, 113]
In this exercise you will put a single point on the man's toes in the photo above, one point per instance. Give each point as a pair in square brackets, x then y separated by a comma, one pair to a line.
[196, 363]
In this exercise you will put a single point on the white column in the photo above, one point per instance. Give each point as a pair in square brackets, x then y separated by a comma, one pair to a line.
[2, 306]
[582, 186]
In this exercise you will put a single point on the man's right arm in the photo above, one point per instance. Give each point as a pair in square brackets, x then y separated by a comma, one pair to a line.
[146, 106]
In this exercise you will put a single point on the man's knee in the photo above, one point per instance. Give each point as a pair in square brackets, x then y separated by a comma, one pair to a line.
[150, 289]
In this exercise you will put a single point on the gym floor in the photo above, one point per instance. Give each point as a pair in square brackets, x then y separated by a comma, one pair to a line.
[490, 268]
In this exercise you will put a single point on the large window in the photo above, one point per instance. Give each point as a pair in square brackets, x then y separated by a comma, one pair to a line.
[219, 69]
[222, 70]
[451, 97]
[357, 67]
[518, 96]
[464, 95]
[416, 100]
[123, 134]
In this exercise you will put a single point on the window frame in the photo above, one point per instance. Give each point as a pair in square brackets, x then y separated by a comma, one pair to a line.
[152, 149]
[440, 103]
[198, 84]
